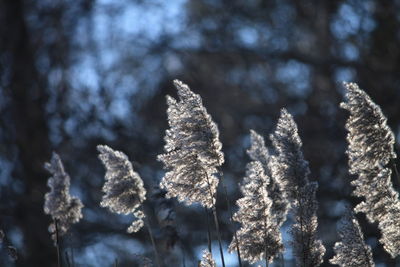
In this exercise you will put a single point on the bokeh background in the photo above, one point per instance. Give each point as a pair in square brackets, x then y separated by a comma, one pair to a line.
[74, 74]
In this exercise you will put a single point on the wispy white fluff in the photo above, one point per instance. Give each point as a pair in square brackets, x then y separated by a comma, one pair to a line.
[192, 150]
[123, 190]
[207, 260]
[258, 236]
[352, 250]
[370, 150]
[62, 207]
[290, 167]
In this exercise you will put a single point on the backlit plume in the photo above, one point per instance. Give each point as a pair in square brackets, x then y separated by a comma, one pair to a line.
[207, 260]
[352, 250]
[123, 190]
[290, 167]
[192, 150]
[370, 151]
[63, 208]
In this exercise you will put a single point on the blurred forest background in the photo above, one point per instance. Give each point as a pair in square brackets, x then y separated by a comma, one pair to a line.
[74, 74]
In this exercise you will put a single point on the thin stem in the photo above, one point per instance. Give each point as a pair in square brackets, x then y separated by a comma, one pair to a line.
[218, 234]
[58, 244]
[67, 259]
[152, 241]
[72, 257]
[183, 255]
[214, 209]
[282, 260]
[231, 220]
[396, 171]
[265, 241]
[208, 231]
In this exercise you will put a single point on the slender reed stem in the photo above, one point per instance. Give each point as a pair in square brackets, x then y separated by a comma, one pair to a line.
[152, 241]
[396, 171]
[231, 220]
[58, 246]
[67, 259]
[208, 231]
[183, 256]
[282, 260]
[214, 209]
[265, 242]
[116, 262]
[72, 257]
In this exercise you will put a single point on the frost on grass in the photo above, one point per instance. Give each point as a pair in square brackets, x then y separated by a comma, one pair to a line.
[290, 167]
[123, 190]
[207, 260]
[258, 236]
[352, 250]
[259, 152]
[63, 208]
[370, 150]
[192, 150]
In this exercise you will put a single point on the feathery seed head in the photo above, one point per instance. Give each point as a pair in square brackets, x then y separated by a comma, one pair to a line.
[259, 152]
[207, 260]
[192, 150]
[370, 139]
[352, 250]
[259, 236]
[370, 150]
[307, 249]
[124, 189]
[62, 207]
[289, 166]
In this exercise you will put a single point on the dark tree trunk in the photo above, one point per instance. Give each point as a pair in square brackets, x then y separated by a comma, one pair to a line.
[27, 94]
